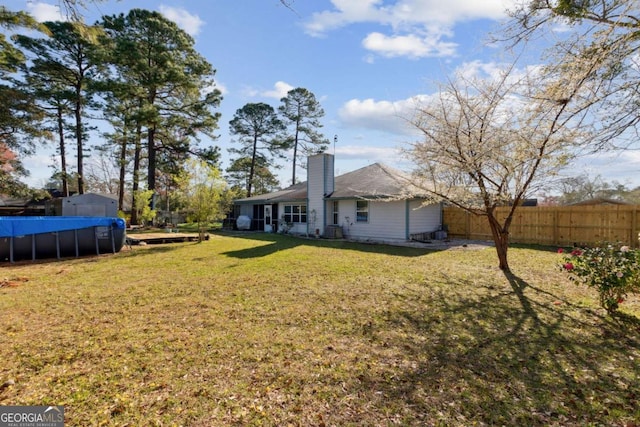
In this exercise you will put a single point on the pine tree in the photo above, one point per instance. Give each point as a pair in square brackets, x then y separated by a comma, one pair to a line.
[259, 132]
[302, 112]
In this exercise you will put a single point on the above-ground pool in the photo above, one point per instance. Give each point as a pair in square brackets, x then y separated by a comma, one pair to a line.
[31, 238]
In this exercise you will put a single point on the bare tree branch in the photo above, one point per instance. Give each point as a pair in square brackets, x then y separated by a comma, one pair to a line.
[490, 142]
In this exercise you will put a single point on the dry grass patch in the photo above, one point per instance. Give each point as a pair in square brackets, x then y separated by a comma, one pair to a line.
[274, 330]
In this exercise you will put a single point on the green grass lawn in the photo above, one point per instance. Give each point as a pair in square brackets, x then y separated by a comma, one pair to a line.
[274, 330]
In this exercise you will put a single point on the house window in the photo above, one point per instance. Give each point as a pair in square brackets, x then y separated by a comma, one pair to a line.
[295, 213]
[336, 216]
[362, 211]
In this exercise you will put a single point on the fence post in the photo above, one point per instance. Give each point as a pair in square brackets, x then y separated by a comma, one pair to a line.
[467, 224]
[634, 227]
[556, 238]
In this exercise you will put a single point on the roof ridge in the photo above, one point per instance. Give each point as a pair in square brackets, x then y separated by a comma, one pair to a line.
[395, 173]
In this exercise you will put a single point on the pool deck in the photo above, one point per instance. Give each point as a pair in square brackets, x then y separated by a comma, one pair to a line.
[134, 239]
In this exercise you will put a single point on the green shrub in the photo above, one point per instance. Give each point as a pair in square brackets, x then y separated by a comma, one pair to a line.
[613, 270]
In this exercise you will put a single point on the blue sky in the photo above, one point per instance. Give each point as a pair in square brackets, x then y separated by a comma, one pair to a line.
[366, 61]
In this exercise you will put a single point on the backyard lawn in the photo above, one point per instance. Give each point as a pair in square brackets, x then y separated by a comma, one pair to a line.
[274, 330]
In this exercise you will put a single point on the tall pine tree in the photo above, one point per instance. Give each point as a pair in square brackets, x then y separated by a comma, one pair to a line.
[302, 113]
[173, 81]
[259, 132]
[65, 59]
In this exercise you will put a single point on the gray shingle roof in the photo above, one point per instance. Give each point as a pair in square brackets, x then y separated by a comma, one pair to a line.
[376, 180]
[293, 193]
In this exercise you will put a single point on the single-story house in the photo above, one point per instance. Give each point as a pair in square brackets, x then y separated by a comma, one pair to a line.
[372, 203]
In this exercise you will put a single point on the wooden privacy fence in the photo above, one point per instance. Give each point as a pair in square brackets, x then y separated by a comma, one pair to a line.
[553, 225]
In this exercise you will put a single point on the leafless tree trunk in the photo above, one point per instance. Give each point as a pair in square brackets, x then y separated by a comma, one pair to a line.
[136, 175]
[63, 154]
[489, 142]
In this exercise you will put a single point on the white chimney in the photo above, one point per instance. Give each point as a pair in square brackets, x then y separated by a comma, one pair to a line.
[320, 184]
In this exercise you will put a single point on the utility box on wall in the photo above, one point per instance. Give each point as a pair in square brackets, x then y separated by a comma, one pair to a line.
[333, 232]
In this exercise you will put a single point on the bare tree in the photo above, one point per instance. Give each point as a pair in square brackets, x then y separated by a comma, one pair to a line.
[599, 44]
[489, 142]
[580, 188]
[101, 174]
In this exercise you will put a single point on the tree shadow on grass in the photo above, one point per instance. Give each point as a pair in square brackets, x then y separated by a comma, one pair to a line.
[509, 356]
[278, 242]
[137, 251]
[270, 244]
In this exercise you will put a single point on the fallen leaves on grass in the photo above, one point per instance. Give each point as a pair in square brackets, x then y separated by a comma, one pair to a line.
[13, 282]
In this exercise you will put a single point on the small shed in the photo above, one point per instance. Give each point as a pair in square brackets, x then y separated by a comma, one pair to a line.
[89, 204]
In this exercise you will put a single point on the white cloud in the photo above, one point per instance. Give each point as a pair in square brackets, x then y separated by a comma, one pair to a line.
[215, 85]
[411, 46]
[352, 157]
[45, 12]
[417, 26]
[394, 116]
[620, 166]
[374, 154]
[190, 23]
[387, 116]
[478, 69]
[222, 88]
[279, 90]
[405, 14]
[348, 12]
[40, 169]
[249, 91]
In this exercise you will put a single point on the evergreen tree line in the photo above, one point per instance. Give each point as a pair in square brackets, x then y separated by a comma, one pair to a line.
[139, 73]
[265, 135]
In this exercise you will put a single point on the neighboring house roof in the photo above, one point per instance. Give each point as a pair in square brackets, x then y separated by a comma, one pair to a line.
[600, 201]
[529, 202]
[93, 196]
[13, 202]
[15, 206]
[373, 181]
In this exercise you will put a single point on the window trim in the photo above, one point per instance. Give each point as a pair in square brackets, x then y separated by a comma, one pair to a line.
[297, 213]
[335, 212]
[362, 211]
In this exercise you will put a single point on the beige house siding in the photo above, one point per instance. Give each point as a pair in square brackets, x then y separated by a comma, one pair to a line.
[387, 221]
[423, 219]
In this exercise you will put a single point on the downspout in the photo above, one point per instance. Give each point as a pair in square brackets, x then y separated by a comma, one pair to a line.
[407, 217]
[324, 195]
[308, 211]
